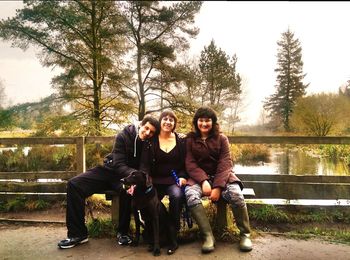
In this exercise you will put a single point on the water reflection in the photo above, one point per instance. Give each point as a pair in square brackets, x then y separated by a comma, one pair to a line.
[295, 162]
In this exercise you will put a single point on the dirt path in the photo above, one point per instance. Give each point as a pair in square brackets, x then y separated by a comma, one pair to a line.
[40, 242]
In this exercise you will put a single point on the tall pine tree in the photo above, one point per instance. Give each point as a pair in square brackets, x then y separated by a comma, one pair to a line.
[290, 77]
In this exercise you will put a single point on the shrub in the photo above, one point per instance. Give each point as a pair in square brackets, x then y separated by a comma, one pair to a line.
[101, 228]
[250, 153]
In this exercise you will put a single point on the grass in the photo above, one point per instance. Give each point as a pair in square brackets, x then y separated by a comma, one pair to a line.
[101, 227]
[274, 214]
[334, 235]
[16, 133]
[22, 204]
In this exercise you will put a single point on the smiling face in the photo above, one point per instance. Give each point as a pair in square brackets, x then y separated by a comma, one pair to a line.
[147, 131]
[167, 124]
[205, 125]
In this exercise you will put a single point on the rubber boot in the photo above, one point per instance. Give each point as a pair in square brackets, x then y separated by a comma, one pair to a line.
[199, 215]
[242, 222]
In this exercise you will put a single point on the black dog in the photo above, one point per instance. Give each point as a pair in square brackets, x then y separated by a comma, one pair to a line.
[153, 212]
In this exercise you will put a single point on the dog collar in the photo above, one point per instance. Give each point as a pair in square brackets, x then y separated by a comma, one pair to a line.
[149, 189]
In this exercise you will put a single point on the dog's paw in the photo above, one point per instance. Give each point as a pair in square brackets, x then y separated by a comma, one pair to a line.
[156, 252]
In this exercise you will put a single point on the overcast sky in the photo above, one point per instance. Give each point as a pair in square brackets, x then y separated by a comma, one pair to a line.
[248, 29]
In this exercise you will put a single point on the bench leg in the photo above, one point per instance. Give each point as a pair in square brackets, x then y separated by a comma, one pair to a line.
[115, 210]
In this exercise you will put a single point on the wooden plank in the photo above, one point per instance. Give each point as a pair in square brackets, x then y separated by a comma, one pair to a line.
[80, 155]
[248, 192]
[34, 187]
[115, 210]
[37, 140]
[288, 140]
[99, 139]
[64, 175]
[5, 196]
[294, 178]
[296, 190]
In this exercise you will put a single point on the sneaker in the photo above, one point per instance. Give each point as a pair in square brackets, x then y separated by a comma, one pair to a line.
[72, 242]
[124, 240]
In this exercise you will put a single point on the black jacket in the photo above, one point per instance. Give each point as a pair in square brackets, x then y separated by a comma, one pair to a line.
[125, 158]
[148, 157]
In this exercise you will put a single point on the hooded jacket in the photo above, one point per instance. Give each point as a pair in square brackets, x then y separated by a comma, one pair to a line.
[125, 156]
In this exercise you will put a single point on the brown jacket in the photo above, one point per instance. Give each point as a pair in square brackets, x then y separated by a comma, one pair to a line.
[210, 160]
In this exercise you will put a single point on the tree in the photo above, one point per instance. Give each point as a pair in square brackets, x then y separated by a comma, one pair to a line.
[344, 89]
[290, 77]
[157, 32]
[220, 81]
[321, 114]
[85, 39]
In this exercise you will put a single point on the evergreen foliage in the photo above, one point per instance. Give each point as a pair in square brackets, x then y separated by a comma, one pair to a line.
[289, 86]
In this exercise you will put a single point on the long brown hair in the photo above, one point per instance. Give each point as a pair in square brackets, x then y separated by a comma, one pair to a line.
[206, 112]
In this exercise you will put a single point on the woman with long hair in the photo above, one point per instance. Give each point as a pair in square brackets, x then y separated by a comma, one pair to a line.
[210, 168]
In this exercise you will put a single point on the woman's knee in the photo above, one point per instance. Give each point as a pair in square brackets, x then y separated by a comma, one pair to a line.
[234, 196]
[193, 196]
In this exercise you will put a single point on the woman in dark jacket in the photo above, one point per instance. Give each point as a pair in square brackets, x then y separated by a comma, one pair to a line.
[164, 156]
[210, 168]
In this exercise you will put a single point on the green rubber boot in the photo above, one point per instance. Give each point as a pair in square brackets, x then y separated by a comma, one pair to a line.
[242, 222]
[199, 215]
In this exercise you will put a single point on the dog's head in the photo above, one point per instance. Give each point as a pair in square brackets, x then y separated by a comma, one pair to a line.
[139, 178]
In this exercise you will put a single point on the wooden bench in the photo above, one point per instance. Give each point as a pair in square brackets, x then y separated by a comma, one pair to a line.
[259, 187]
[113, 196]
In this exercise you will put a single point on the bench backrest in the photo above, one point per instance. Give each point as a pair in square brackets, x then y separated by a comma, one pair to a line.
[290, 187]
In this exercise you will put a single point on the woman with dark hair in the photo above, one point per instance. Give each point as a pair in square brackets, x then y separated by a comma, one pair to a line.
[210, 168]
[164, 156]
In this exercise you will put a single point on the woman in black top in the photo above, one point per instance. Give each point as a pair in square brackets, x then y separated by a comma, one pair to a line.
[166, 154]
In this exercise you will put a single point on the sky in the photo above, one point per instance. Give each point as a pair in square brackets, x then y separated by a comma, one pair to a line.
[248, 29]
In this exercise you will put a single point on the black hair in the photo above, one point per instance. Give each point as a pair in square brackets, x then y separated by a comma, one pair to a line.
[170, 113]
[206, 112]
[153, 121]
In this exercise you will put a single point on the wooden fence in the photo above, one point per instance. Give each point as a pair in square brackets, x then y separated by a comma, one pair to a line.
[267, 186]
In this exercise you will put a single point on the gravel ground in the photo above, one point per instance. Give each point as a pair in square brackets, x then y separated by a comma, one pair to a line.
[23, 241]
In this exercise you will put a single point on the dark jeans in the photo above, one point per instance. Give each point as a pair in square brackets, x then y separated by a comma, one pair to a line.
[176, 198]
[95, 180]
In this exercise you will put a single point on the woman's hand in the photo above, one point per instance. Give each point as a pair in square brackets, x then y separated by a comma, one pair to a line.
[206, 188]
[215, 194]
[182, 181]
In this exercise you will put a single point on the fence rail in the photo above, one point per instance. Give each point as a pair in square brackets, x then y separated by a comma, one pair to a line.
[265, 186]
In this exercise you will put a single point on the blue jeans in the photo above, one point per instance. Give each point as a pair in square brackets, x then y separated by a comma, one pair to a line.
[176, 198]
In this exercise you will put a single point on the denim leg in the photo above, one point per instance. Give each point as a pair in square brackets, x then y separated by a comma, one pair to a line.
[176, 198]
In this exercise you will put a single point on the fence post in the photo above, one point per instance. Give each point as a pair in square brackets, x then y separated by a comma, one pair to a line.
[80, 156]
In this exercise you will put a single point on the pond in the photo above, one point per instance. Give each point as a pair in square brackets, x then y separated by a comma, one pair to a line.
[295, 162]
